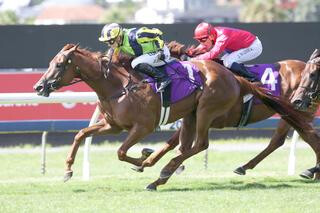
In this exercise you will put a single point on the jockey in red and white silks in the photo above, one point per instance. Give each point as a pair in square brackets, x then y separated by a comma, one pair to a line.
[237, 46]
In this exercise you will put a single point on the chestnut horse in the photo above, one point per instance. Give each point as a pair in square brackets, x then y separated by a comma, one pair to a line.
[127, 103]
[295, 82]
[307, 95]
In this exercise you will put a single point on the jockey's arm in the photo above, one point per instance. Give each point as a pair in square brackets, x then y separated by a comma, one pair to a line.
[218, 48]
[150, 35]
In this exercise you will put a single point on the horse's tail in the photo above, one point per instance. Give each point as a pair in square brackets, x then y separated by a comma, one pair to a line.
[295, 118]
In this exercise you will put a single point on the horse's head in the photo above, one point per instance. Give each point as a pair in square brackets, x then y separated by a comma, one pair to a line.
[177, 50]
[309, 87]
[60, 73]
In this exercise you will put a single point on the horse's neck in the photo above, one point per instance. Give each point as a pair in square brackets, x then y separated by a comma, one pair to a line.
[93, 74]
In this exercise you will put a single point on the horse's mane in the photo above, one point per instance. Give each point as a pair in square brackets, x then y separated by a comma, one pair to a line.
[177, 49]
[84, 51]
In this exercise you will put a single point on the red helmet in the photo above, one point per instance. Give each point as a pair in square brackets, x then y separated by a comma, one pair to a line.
[204, 30]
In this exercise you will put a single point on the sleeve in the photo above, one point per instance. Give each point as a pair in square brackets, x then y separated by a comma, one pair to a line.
[145, 35]
[218, 48]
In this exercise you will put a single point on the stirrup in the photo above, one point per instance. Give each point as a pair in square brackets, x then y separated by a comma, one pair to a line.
[163, 85]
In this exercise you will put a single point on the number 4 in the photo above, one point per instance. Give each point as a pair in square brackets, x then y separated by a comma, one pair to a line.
[269, 78]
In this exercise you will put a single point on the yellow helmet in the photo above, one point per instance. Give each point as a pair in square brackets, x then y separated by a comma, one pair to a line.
[110, 33]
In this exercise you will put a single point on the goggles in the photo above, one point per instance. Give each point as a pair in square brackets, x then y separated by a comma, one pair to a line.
[201, 40]
[111, 41]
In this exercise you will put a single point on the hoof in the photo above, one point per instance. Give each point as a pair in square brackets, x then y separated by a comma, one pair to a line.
[240, 171]
[307, 174]
[180, 169]
[151, 187]
[137, 169]
[67, 176]
[146, 152]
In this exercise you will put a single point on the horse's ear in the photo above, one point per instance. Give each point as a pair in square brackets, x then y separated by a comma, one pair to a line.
[315, 54]
[76, 46]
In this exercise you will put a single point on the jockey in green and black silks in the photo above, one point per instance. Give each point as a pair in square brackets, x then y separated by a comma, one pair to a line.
[145, 44]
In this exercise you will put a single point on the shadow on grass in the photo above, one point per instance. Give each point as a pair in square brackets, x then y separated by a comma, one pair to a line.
[244, 185]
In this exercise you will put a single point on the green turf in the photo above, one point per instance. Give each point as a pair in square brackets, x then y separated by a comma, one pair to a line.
[114, 187]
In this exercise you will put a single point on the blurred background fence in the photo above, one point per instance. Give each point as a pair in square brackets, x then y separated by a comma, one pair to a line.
[32, 46]
[33, 31]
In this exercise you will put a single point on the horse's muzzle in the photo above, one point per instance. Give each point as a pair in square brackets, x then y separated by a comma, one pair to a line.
[44, 88]
[302, 105]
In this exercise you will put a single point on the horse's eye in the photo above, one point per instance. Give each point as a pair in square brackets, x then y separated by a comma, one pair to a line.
[312, 75]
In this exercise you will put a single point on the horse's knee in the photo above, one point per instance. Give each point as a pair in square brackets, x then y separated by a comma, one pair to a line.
[121, 154]
[79, 135]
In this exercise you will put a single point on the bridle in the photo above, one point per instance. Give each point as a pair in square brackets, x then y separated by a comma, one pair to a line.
[64, 68]
[313, 92]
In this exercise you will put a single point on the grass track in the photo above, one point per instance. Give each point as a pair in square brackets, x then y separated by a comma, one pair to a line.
[114, 187]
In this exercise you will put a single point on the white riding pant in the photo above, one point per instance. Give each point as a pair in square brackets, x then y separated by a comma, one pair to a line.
[152, 58]
[243, 55]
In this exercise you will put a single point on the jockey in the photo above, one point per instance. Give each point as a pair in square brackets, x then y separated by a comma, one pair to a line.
[145, 44]
[236, 45]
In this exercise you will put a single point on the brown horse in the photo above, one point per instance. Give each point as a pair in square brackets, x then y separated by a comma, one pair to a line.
[296, 77]
[127, 103]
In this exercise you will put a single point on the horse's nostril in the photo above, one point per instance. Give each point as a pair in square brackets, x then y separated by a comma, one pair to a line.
[313, 96]
[297, 102]
[38, 88]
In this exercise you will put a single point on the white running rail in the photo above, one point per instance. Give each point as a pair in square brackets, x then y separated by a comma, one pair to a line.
[57, 97]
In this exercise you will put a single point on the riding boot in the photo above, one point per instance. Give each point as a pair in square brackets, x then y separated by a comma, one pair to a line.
[158, 75]
[240, 70]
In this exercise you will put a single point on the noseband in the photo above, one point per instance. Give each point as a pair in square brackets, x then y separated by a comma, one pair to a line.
[56, 83]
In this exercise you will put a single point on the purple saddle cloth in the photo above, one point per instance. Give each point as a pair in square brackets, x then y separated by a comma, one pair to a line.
[268, 75]
[185, 78]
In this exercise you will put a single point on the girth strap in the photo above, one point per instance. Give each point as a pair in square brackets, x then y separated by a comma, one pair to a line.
[165, 105]
[246, 110]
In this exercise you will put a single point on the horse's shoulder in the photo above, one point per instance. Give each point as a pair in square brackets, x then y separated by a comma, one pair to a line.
[289, 66]
[292, 62]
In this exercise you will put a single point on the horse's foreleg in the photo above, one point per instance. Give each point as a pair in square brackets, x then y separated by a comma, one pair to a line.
[183, 135]
[187, 136]
[157, 155]
[136, 133]
[312, 138]
[174, 163]
[102, 127]
[203, 121]
[277, 140]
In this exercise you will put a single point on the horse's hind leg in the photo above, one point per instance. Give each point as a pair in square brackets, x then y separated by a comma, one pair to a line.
[102, 127]
[277, 140]
[205, 115]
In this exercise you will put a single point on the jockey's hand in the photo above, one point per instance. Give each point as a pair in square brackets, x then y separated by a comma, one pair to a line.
[162, 56]
[108, 56]
[191, 51]
[185, 57]
[105, 58]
